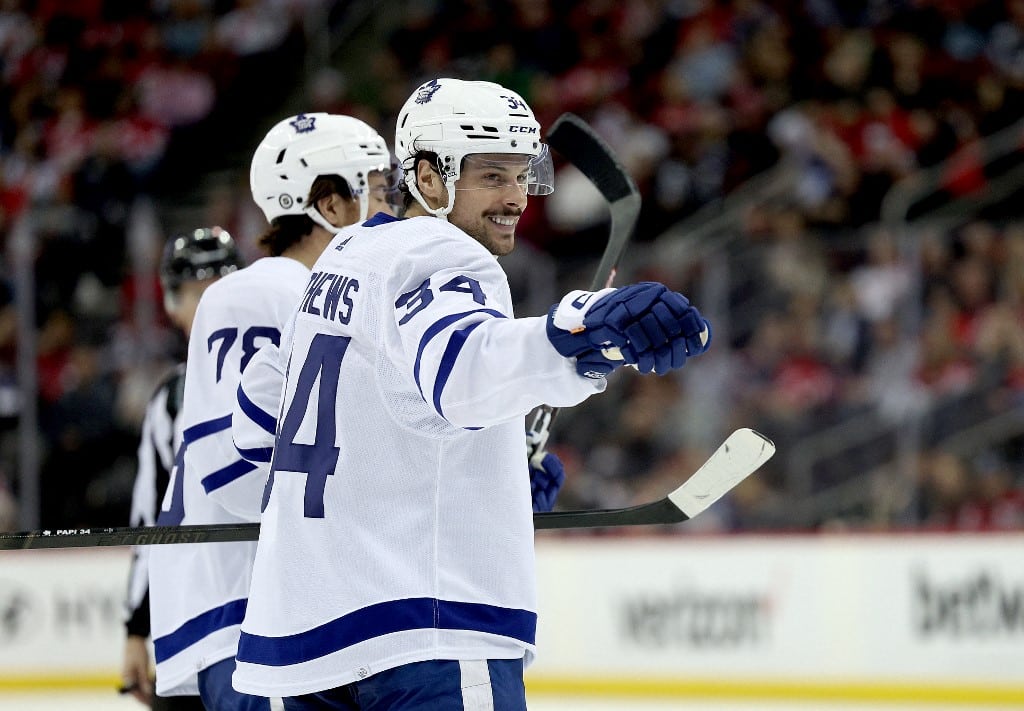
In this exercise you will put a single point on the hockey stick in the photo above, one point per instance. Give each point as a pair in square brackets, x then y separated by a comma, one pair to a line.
[739, 456]
[576, 141]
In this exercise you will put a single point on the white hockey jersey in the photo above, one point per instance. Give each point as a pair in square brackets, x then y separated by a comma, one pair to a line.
[198, 591]
[399, 524]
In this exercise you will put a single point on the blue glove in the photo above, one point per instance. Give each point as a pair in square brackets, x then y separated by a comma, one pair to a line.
[646, 324]
[567, 334]
[594, 364]
[545, 481]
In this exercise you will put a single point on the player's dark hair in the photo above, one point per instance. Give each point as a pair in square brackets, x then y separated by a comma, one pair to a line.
[407, 197]
[287, 230]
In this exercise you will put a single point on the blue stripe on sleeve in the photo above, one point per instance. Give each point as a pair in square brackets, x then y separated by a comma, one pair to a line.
[254, 412]
[203, 429]
[451, 354]
[256, 454]
[197, 628]
[386, 618]
[223, 477]
[436, 328]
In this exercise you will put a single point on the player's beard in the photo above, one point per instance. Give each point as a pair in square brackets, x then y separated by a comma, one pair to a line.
[498, 240]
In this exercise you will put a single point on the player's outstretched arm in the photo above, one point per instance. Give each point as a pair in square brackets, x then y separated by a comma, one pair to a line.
[645, 324]
[473, 363]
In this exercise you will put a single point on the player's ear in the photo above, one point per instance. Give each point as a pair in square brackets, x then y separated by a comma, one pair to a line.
[429, 181]
[337, 210]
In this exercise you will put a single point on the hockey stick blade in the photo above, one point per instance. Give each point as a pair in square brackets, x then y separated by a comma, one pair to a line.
[739, 456]
[742, 453]
[577, 142]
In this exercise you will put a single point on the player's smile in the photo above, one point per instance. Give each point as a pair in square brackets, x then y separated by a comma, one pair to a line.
[505, 220]
[504, 224]
[497, 231]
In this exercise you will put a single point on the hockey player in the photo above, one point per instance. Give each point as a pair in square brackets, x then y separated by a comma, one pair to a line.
[395, 563]
[311, 175]
[190, 263]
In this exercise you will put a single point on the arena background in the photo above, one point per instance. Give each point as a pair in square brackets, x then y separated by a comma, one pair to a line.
[836, 184]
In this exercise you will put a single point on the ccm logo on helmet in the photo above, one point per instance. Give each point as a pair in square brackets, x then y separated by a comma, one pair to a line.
[522, 129]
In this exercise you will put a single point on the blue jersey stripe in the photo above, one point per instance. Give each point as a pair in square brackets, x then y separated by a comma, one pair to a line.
[436, 328]
[256, 454]
[197, 628]
[254, 412]
[451, 354]
[386, 618]
[203, 429]
[223, 477]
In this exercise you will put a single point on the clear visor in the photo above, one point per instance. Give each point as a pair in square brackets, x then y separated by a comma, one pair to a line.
[534, 175]
[385, 179]
[383, 184]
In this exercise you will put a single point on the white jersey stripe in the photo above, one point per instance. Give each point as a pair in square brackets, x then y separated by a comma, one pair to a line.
[477, 694]
[382, 619]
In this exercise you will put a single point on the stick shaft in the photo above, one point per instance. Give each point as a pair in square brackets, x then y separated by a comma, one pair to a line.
[577, 142]
[742, 453]
[236, 532]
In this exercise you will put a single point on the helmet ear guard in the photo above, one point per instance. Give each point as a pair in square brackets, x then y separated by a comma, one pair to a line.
[454, 119]
[299, 149]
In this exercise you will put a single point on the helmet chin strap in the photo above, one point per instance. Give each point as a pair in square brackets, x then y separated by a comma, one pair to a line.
[440, 212]
[315, 216]
[364, 206]
[319, 219]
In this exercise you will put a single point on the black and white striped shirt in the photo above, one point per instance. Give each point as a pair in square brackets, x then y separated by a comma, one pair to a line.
[161, 434]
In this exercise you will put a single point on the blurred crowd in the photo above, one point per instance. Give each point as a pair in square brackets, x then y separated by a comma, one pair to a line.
[104, 102]
[832, 320]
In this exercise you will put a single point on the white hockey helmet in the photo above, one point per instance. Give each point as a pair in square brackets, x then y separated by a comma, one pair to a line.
[301, 148]
[454, 118]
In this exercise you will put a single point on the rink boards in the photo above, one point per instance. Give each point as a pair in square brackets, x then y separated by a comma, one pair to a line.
[884, 618]
[832, 617]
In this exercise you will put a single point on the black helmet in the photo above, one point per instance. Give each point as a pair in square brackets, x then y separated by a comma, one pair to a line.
[204, 253]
